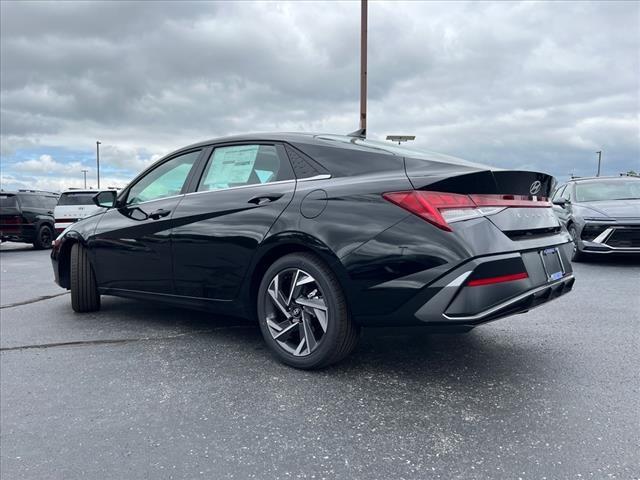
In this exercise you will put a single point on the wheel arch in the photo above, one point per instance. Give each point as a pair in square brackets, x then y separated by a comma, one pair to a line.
[63, 257]
[284, 244]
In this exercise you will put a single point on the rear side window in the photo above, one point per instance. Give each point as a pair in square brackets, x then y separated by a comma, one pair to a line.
[166, 180]
[8, 201]
[242, 165]
[76, 199]
[38, 201]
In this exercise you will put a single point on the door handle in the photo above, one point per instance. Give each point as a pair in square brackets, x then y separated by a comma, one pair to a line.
[262, 199]
[159, 214]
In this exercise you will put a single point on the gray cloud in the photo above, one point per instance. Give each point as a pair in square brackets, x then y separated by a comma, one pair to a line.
[525, 85]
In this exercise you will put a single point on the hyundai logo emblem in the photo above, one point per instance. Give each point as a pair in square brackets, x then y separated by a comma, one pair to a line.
[535, 187]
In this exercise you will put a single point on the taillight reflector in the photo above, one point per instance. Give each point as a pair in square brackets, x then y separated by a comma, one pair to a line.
[430, 206]
[499, 279]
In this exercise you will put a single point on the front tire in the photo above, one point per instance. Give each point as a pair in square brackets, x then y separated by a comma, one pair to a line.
[84, 289]
[44, 237]
[578, 255]
[303, 314]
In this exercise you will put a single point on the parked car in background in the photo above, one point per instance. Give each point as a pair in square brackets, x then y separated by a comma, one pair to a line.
[317, 235]
[27, 216]
[602, 214]
[74, 205]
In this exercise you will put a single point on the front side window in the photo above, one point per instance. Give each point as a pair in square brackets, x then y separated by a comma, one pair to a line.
[163, 181]
[241, 165]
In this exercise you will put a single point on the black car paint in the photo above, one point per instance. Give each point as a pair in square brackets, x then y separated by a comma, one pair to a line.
[387, 259]
[33, 217]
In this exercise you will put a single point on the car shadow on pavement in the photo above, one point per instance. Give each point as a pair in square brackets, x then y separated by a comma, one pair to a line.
[413, 353]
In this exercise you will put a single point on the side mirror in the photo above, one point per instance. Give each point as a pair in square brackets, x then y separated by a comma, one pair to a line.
[105, 199]
[561, 202]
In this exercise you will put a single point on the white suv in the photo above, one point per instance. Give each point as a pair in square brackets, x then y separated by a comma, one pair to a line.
[74, 205]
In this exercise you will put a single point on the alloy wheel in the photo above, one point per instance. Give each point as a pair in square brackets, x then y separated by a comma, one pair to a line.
[296, 312]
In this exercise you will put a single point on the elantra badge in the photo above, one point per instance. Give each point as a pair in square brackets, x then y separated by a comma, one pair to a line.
[535, 187]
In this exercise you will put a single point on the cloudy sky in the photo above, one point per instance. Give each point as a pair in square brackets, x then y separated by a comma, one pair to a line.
[518, 85]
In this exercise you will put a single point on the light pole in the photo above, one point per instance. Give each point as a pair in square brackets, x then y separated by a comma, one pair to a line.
[599, 152]
[363, 66]
[84, 172]
[98, 161]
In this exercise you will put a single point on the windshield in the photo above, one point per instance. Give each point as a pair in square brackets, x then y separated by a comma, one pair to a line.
[80, 198]
[607, 190]
[8, 201]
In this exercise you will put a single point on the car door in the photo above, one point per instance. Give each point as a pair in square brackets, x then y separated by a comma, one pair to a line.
[242, 190]
[131, 245]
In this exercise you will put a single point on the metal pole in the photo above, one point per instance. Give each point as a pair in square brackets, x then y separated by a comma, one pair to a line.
[98, 161]
[599, 152]
[84, 172]
[363, 64]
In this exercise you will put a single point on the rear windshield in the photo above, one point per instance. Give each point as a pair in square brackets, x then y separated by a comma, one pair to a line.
[80, 198]
[8, 201]
[401, 151]
[607, 190]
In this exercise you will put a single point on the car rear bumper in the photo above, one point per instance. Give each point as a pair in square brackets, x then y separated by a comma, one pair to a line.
[18, 233]
[458, 302]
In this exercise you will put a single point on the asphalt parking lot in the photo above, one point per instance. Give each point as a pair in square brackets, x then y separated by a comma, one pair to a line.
[139, 390]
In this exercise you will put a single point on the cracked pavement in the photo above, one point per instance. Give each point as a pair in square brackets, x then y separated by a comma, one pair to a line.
[139, 390]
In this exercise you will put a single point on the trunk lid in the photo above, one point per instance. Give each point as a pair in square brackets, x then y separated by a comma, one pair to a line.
[517, 221]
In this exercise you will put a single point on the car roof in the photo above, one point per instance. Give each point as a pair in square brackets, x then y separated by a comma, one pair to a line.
[596, 179]
[29, 192]
[339, 141]
[77, 190]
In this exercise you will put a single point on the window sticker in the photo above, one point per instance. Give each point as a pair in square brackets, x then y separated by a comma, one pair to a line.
[232, 165]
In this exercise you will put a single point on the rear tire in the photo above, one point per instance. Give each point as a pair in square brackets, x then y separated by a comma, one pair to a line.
[328, 331]
[84, 289]
[578, 255]
[44, 237]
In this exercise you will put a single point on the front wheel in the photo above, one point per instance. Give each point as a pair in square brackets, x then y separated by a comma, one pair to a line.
[84, 289]
[578, 255]
[303, 313]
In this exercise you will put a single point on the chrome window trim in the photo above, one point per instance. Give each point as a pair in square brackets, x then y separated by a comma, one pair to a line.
[322, 176]
[279, 182]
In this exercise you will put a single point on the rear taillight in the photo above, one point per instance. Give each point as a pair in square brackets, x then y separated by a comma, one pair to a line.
[13, 220]
[441, 208]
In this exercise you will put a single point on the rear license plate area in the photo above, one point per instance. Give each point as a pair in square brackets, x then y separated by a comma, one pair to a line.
[552, 264]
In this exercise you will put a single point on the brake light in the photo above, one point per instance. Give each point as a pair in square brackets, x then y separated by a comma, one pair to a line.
[14, 220]
[510, 201]
[440, 208]
[428, 205]
[499, 279]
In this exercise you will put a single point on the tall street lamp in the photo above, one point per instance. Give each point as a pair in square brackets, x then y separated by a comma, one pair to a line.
[98, 161]
[84, 172]
[599, 152]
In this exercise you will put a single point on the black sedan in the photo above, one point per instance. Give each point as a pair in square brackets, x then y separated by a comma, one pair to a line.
[318, 235]
[602, 214]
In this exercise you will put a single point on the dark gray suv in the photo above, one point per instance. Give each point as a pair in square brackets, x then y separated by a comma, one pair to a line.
[602, 214]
